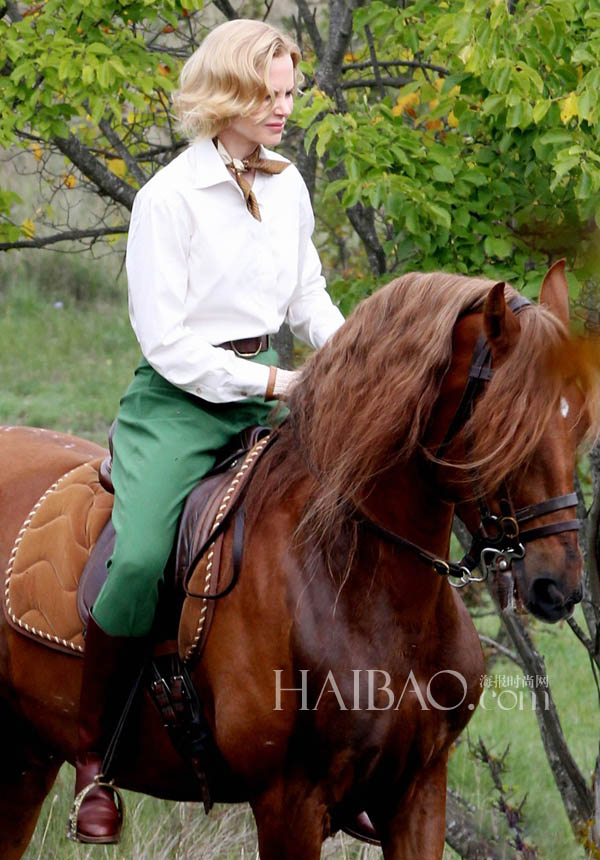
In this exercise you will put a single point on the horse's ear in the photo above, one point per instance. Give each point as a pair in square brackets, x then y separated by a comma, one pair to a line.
[501, 326]
[554, 292]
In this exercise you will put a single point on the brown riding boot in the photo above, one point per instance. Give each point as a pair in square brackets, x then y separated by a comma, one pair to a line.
[110, 668]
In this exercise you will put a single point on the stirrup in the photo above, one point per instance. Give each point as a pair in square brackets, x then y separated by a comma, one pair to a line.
[98, 782]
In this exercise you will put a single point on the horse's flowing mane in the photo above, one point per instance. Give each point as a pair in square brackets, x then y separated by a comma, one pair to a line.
[364, 400]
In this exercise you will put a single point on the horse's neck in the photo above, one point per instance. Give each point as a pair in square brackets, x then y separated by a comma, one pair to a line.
[388, 604]
[403, 500]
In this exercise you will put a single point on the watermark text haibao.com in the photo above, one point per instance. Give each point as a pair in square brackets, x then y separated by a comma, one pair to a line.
[446, 690]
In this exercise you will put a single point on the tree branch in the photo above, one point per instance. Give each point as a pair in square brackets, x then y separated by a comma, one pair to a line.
[375, 82]
[362, 219]
[462, 833]
[306, 162]
[374, 62]
[385, 64]
[340, 30]
[327, 78]
[585, 640]
[487, 640]
[590, 548]
[512, 814]
[44, 241]
[225, 7]
[596, 825]
[309, 20]
[576, 795]
[107, 183]
[13, 11]
[121, 150]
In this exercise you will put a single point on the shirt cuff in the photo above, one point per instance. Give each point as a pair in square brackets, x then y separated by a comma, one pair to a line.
[241, 378]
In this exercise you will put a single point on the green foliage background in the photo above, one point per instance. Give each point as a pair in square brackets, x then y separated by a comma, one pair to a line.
[482, 155]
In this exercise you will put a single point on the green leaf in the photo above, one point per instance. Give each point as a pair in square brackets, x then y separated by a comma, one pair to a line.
[351, 196]
[495, 247]
[540, 110]
[442, 174]
[438, 214]
[87, 74]
[556, 137]
[493, 104]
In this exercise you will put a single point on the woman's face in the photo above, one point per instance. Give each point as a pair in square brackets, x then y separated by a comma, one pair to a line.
[244, 133]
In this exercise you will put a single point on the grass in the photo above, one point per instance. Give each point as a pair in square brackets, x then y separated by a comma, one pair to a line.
[67, 353]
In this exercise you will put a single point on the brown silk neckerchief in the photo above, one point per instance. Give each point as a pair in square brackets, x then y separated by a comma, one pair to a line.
[240, 166]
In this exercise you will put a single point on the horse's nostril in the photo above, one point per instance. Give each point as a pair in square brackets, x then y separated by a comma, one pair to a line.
[548, 602]
[545, 590]
[546, 599]
[553, 593]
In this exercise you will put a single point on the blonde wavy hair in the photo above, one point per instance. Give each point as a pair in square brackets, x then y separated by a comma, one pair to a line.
[228, 76]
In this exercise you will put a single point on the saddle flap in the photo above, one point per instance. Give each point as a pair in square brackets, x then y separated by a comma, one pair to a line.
[199, 513]
[197, 612]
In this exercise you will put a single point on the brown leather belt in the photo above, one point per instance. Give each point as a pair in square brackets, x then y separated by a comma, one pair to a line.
[247, 347]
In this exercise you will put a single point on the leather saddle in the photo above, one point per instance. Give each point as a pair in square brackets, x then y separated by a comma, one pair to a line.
[195, 526]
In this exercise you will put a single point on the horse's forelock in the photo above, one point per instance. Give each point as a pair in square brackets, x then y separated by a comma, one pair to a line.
[523, 397]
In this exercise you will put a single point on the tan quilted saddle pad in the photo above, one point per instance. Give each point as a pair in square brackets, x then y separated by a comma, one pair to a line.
[57, 538]
[55, 542]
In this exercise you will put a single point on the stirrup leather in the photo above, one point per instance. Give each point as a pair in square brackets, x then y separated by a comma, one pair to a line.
[98, 782]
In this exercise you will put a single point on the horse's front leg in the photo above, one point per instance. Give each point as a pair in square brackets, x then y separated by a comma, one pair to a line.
[26, 776]
[292, 821]
[416, 828]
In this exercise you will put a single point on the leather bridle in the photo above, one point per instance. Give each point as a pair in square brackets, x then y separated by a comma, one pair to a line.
[499, 538]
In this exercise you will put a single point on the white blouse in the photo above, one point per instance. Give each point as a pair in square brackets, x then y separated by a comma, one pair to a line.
[202, 271]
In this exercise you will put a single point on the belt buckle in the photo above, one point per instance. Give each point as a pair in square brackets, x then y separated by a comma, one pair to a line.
[241, 354]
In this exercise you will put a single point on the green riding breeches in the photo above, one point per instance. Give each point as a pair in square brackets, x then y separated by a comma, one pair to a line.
[165, 441]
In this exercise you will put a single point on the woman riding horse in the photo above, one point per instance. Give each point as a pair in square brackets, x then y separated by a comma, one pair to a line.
[219, 255]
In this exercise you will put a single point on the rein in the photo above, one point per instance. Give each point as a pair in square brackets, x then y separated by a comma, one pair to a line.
[499, 539]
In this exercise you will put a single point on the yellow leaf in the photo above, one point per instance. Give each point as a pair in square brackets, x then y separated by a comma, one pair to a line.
[452, 120]
[349, 58]
[69, 180]
[405, 102]
[568, 107]
[433, 104]
[28, 228]
[118, 167]
[37, 151]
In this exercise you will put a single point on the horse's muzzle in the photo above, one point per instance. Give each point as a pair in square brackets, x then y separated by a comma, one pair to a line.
[547, 601]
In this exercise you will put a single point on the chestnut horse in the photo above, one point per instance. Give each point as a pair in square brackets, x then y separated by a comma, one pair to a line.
[343, 665]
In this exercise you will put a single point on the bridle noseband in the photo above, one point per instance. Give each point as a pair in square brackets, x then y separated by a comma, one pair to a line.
[499, 539]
